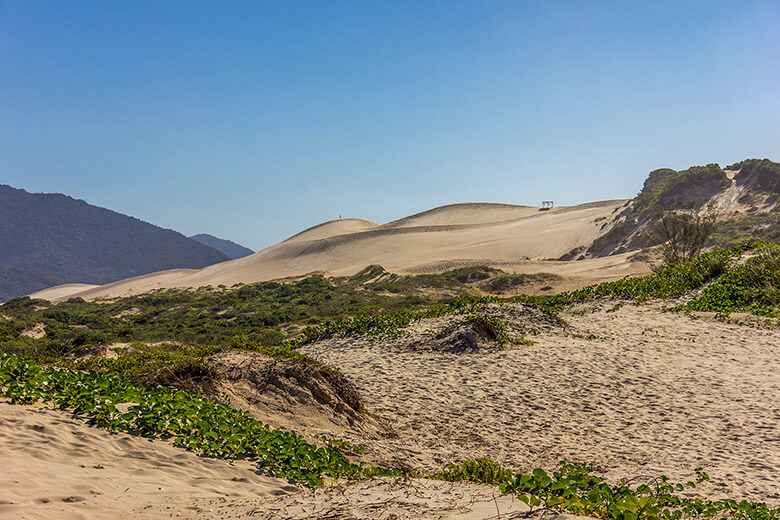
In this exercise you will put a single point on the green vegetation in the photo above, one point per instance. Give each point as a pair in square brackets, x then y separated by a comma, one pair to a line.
[192, 421]
[505, 283]
[753, 286]
[763, 174]
[179, 366]
[268, 317]
[575, 488]
[666, 282]
[188, 419]
[267, 313]
[171, 333]
[482, 470]
[667, 189]
[459, 280]
[682, 235]
[496, 329]
[750, 287]
[760, 226]
[390, 324]
[664, 190]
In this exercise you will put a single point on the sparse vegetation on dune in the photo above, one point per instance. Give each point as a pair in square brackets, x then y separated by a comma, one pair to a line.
[172, 332]
[188, 419]
[752, 286]
[181, 327]
[577, 488]
[720, 266]
[687, 192]
[273, 319]
[664, 190]
[759, 226]
[199, 424]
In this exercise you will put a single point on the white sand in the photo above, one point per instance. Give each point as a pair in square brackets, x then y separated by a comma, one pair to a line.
[55, 466]
[462, 234]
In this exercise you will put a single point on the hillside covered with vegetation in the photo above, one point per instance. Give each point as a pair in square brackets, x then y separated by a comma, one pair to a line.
[754, 213]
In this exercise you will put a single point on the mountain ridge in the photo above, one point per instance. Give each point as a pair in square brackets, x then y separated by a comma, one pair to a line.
[227, 247]
[53, 238]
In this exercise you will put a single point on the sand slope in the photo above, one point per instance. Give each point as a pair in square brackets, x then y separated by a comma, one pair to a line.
[55, 466]
[461, 234]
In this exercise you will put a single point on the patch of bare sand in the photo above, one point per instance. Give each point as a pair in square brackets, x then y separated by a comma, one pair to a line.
[37, 332]
[657, 393]
[396, 499]
[57, 467]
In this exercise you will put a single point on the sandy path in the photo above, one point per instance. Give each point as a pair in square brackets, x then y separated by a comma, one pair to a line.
[660, 393]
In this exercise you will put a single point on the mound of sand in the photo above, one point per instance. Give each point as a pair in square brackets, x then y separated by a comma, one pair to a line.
[501, 235]
[285, 394]
[293, 395]
[333, 228]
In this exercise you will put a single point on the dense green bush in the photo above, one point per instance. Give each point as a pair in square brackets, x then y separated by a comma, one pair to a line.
[752, 286]
[482, 470]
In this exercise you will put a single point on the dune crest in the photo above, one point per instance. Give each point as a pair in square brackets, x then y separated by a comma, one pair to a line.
[467, 234]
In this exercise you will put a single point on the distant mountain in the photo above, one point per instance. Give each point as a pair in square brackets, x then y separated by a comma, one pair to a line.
[50, 239]
[226, 247]
[745, 196]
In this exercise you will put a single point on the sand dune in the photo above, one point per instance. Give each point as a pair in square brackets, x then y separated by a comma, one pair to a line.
[334, 228]
[467, 213]
[462, 234]
[59, 292]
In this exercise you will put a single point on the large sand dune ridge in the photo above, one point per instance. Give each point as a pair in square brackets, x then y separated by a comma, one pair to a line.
[512, 237]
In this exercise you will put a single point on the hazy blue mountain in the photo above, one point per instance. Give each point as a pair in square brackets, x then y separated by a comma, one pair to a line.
[226, 247]
[48, 239]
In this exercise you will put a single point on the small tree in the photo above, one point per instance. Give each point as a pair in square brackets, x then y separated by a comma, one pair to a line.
[683, 235]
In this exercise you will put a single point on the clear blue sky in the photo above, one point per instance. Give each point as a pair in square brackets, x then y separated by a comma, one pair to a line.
[254, 120]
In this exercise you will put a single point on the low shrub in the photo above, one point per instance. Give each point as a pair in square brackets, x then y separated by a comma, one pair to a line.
[577, 488]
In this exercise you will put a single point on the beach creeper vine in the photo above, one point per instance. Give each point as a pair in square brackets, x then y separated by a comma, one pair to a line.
[188, 419]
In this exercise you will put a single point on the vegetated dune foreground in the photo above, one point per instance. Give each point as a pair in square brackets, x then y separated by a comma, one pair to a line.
[438, 366]
[56, 467]
[513, 238]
